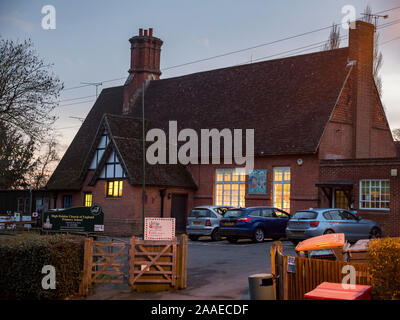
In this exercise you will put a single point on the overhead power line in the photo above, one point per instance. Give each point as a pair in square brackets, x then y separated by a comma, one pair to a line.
[64, 128]
[235, 52]
[65, 100]
[71, 104]
[386, 42]
[395, 8]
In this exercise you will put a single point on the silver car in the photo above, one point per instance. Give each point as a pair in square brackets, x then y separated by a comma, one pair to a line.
[204, 221]
[316, 222]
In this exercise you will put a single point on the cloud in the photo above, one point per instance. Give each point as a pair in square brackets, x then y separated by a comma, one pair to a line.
[205, 42]
[391, 98]
[22, 25]
[391, 87]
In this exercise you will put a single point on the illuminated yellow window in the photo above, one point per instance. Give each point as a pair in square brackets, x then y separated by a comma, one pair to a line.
[230, 187]
[114, 188]
[88, 198]
[281, 190]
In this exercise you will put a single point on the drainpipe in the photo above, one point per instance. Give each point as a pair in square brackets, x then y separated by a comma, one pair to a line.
[55, 195]
[162, 195]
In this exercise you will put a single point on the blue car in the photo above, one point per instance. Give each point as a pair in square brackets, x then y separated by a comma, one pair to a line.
[254, 223]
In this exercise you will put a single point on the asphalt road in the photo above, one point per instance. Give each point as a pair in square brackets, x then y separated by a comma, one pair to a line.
[216, 270]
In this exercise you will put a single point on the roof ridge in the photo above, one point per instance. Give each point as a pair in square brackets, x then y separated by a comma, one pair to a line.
[254, 63]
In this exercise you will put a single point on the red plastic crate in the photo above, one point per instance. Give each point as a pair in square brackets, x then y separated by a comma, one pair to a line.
[335, 291]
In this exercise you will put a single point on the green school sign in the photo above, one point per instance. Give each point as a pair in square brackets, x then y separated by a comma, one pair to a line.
[77, 219]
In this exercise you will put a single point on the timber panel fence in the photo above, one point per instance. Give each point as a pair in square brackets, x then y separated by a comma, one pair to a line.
[153, 265]
[308, 274]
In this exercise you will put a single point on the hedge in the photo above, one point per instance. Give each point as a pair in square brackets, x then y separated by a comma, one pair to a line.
[22, 258]
[384, 267]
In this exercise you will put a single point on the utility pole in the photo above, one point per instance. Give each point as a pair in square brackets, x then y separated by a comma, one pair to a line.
[30, 200]
[144, 161]
[96, 84]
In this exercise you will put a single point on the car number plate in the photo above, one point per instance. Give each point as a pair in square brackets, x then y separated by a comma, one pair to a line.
[229, 223]
[196, 222]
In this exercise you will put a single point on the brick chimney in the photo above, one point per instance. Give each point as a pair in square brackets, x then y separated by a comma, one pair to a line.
[361, 50]
[145, 64]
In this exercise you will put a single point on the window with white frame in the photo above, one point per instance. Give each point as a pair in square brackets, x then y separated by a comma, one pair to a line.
[374, 194]
[100, 150]
[112, 168]
[281, 190]
[230, 187]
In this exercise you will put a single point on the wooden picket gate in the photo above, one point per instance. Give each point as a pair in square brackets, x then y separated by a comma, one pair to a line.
[102, 263]
[157, 265]
[153, 265]
[309, 273]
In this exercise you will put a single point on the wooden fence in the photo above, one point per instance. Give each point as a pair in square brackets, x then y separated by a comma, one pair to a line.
[308, 273]
[102, 263]
[157, 265]
[153, 265]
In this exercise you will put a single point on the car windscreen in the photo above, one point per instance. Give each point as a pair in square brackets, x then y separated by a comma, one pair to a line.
[305, 215]
[200, 213]
[234, 213]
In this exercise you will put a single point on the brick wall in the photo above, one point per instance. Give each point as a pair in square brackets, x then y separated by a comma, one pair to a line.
[123, 216]
[356, 170]
[339, 138]
[304, 194]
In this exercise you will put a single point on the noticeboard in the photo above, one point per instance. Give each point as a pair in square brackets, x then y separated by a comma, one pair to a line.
[77, 219]
[258, 182]
[159, 228]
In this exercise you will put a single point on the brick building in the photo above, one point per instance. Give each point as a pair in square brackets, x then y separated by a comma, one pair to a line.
[321, 138]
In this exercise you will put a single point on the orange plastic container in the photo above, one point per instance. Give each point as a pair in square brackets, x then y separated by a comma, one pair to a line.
[336, 291]
[332, 240]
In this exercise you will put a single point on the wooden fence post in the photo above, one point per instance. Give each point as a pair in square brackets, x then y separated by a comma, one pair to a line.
[87, 267]
[285, 279]
[183, 261]
[273, 268]
[131, 260]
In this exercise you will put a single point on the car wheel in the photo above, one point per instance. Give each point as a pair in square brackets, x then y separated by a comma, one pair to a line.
[258, 235]
[375, 233]
[215, 236]
[193, 237]
[232, 239]
[329, 231]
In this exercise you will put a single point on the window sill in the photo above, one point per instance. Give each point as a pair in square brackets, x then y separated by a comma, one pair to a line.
[371, 211]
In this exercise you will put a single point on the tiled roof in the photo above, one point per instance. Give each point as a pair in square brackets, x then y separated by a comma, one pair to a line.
[67, 175]
[287, 101]
[126, 133]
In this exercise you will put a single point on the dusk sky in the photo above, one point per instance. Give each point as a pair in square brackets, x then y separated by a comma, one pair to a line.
[90, 42]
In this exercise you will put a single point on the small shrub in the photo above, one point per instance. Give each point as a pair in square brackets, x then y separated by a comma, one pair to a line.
[22, 258]
[384, 267]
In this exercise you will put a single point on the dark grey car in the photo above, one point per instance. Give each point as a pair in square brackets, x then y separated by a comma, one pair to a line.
[204, 221]
[316, 222]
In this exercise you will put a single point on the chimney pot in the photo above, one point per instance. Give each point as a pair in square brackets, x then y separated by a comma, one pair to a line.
[145, 64]
[361, 50]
